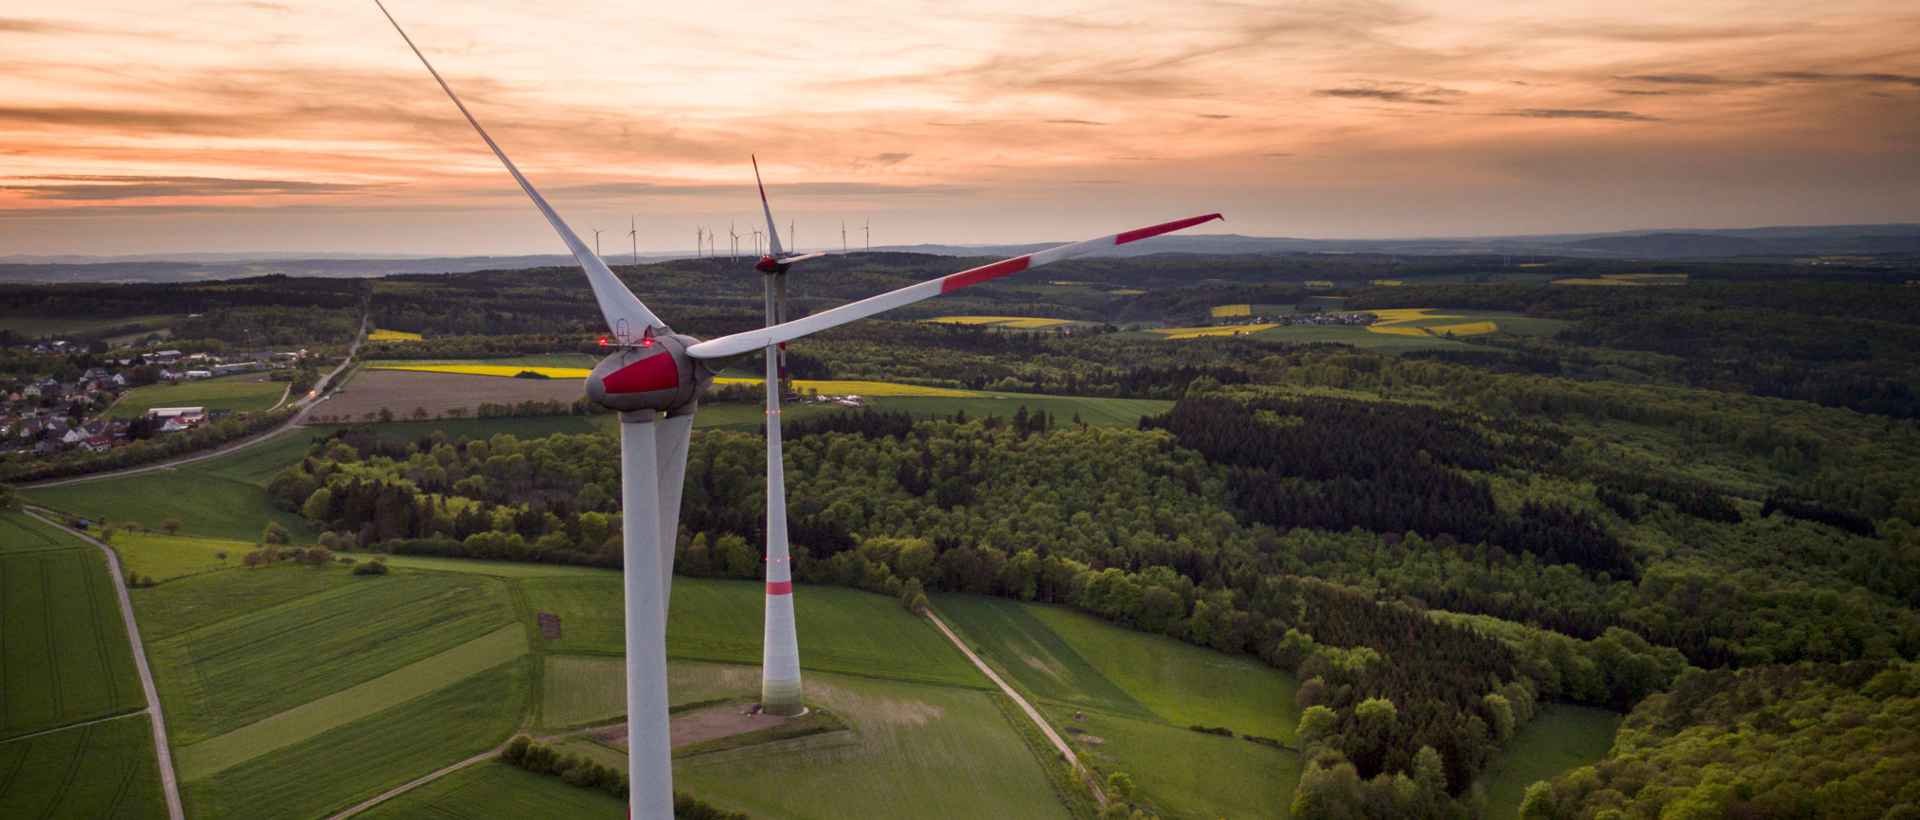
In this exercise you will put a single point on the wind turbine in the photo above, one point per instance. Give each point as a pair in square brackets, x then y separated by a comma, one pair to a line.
[699, 243]
[596, 241]
[654, 379]
[843, 236]
[869, 227]
[733, 243]
[633, 222]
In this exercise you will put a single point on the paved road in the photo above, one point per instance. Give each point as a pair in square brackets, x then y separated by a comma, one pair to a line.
[304, 404]
[168, 783]
[1065, 750]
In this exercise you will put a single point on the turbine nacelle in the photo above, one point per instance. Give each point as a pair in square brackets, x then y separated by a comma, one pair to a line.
[768, 264]
[655, 374]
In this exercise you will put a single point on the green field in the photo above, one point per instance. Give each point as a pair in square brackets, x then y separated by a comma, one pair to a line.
[1182, 773]
[244, 393]
[189, 603]
[64, 653]
[165, 557]
[1137, 694]
[1559, 739]
[915, 751]
[497, 791]
[20, 532]
[38, 327]
[245, 668]
[841, 630]
[1074, 659]
[224, 497]
[100, 770]
[351, 763]
[578, 690]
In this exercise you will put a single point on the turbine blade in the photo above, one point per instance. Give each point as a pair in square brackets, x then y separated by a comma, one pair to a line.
[773, 238]
[625, 313]
[739, 343]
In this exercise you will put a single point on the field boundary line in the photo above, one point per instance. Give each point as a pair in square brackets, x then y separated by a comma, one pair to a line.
[420, 781]
[163, 754]
[1032, 713]
[65, 726]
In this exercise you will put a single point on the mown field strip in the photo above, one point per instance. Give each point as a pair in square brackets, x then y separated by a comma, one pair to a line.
[348, 705]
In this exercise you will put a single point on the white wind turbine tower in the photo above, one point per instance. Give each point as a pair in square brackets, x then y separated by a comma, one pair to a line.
[633, 223]
[596, 241]
[699, 242]
[654, 378]
[869, 228]
[843, 236]
[733, 243]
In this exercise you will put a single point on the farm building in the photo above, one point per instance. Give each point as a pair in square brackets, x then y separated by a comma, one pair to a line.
[175, 412]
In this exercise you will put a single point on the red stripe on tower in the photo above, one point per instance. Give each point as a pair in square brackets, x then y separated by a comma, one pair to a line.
[779, 587]
[984, 273]
[1138, 234]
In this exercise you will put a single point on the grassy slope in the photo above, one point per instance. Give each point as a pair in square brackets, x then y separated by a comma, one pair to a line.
[497, 791]
[204, 500]
[841, 630]
[916, 751]
[165, 557]
[101, 770]
[356, 761]
[1072, 658]
[187, 603]
[1559, 739]
[1183, 773]
[20, 532]
[64, 653]
[36, 327]
[578, 690]
[245, 668]
[243, 392]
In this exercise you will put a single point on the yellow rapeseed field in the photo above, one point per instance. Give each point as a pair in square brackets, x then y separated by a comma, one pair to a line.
[1221, 311]
[829, 387]
[1386, 283]
[1399, 322]
[1199, 332]
[1464, 329]
[393, 336]
[1017, 322]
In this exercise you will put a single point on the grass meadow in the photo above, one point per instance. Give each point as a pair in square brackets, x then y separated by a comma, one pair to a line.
[1074, 659]
[223, 497]
[497, 791]
[40, 327]
[250, 666]
[64, 654]
[341, 766]
[578, 690]
[915, 751]
[1178, 772]
[245, 392]
[841, 630]
[1559, 739]
[1135, 695]
[100, 770]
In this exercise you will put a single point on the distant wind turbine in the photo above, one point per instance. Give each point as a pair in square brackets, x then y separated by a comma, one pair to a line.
[596, 241]
[633, 222]
[869, 234]
[843, 236]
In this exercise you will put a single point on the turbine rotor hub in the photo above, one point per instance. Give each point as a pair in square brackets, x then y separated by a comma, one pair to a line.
[656, 375]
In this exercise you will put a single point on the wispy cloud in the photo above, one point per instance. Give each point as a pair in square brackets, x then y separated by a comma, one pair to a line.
[98, 188]
[1579, 114]
[1395, 93]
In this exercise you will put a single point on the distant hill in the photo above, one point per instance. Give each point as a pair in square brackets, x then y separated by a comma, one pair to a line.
[1774, 242]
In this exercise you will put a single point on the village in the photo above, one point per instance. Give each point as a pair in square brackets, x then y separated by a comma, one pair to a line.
[47, 416]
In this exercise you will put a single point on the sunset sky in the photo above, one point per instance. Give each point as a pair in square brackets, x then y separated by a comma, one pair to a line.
[179, 127]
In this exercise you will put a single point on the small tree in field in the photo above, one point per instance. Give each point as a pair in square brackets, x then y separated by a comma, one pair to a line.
[170, 525]
[913, 596]
[274, 534]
